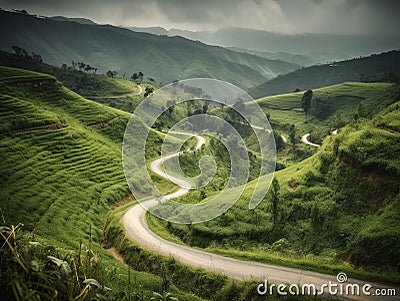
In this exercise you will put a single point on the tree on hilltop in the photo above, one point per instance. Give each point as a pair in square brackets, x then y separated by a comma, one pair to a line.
[306, 101]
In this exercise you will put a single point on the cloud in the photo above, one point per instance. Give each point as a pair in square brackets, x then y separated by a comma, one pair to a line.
[287, 16]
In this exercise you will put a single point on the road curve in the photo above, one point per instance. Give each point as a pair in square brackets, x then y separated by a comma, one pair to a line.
[134, 221]
[305, 140]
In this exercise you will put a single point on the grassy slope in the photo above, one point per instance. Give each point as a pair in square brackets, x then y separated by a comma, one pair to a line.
[62, 181]
[343, 100]
[340, 103]
[337, 208]
[330, 74]
[115, 92]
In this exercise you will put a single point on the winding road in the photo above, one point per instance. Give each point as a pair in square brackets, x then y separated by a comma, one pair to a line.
[134, 221]
[305, 140]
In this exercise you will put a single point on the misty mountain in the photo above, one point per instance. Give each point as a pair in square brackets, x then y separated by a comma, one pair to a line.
[111, 48]
[298, 59]
[320, 48]
[372, 68]
[157, 30]
[67, 19]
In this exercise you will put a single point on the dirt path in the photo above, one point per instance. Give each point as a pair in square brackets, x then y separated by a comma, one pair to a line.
[103, 123]
[49, 127]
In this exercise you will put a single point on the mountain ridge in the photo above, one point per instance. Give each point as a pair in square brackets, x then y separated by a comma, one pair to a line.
[111, 48]
[371, 68]
[321, 48]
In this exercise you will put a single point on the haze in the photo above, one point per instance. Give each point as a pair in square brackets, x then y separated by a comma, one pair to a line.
[347, 17]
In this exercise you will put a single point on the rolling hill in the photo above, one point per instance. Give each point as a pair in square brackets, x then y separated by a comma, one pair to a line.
[338, 208]
[111, 48]
[61, 174]
[361, 69]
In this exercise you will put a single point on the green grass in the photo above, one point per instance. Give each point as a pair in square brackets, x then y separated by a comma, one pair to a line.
[344, 100]
[336, 209]
[62, 182]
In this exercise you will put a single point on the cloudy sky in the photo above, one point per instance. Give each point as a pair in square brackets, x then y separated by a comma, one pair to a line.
[284, 16]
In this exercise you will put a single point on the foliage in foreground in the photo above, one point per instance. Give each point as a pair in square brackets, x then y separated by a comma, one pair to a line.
[32, 270]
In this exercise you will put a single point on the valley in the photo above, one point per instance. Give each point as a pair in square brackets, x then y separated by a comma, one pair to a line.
[71, 226]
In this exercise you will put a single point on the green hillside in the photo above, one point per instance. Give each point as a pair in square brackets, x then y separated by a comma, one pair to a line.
[337, 210]
[61, 174]
[331, 107]
[375, 67]
[116, 92]
[111, 48]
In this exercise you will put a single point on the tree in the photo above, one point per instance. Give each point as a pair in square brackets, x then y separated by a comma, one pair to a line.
[170, 106]
[81, 65]
[20, 51]
[140, 76]
[37, 57]
[205, 107]
[134, 77]
[278, 141]
[292, 135]
[274, 192]
[110, 73]
[148, 91]
[17, 50]
[88, 68]
[306, 101]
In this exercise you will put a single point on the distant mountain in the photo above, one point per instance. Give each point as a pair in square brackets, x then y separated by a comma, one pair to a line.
[318, 47]
[111, 48]
[362, 69]
[298, 59]
[152, 30]
[79, 20]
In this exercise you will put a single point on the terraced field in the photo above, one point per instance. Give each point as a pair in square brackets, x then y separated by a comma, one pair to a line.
[59, 176]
